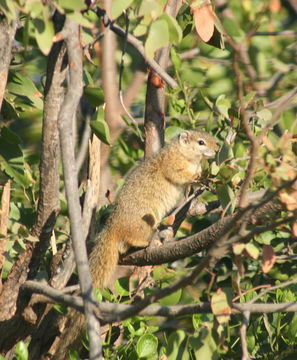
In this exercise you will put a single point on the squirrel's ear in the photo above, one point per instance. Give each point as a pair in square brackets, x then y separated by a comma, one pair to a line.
[184, 137]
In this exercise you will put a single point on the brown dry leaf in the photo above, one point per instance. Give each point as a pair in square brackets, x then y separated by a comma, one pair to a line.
[220, 306]
[204, 20]
[170, 220]
[274, 6]
[268, 143]
[290, 200]
[88, 56]
[268, 258]
[38, 94]
[58, 37]
[294, 229]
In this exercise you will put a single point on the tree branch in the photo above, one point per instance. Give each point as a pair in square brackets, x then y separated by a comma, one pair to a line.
[108, 310]
[70, 33]
[137, 44]
[7, 33]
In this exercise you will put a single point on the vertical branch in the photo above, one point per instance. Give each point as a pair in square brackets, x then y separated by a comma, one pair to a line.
[7, 32]
[113, 108]
[71, 36]
[28, 262]
[154, 118]
[253, 139]
[4, 213]
[243, 328]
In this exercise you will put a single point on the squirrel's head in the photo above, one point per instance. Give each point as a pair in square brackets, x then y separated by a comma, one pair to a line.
[196, 142]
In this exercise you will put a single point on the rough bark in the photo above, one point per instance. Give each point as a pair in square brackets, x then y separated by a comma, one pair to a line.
[7, 32]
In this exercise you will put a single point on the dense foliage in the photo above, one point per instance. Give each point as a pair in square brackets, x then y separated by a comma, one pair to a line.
[246, 70]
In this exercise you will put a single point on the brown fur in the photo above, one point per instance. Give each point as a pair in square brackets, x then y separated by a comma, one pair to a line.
[151, 190]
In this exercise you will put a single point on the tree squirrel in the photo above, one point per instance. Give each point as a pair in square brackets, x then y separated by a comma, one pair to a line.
[151, 190]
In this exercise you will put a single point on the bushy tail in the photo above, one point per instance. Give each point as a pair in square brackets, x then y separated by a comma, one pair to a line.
[103, 261]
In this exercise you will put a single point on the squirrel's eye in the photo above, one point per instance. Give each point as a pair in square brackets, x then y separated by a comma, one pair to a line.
[201, 142]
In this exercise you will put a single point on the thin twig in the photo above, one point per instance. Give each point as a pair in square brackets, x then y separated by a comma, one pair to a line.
[253, 139]
[243, 328]
[275, 33]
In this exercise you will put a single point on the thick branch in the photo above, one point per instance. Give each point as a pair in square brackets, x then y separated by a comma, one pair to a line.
[190, 245]
[28, 262]
[71, 101]
[7, 32]
[154, 117]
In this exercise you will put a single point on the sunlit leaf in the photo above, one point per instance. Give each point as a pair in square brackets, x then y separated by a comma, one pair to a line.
[44, 34]
[204, 20]
[220, 306]
[94, 95]
[147, 346]
[158, 37]
[268, 258]
[74, 5]
[118, 6]
[100, 127]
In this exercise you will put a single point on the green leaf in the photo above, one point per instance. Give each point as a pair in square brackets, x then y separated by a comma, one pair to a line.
[177, 346]
[8, 8]
[88, 78]
[122, 286]
[238, 248]
[171, 299]
[94, 95]
[292, 329]
[140, 30]
[19, 84]
[175, 58]
[265, 238]
[73, 355]
[147, 345]
[11, 158]
[118, 6]
[150, 8]
[158, 37]
[252, 250]
[226, 197]
[264, 116]
[249, 97]
[233, 28]
[74, 5]
[175, 32]
[205, 346]
[61, 309]
[21, 351]
[80, 19]
[214, 168]
[172, 131]
[44, 34]
[225, 153]
[197, 321]
[100, 127]
[227, 172]
[223, 105]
